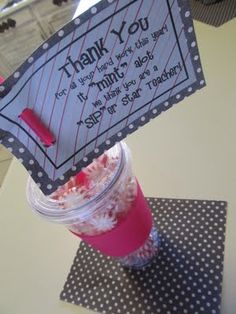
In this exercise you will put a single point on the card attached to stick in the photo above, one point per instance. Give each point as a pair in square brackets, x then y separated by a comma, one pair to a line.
[95, 81]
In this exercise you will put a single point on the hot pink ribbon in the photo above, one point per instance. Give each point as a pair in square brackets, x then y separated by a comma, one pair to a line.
[129, 235]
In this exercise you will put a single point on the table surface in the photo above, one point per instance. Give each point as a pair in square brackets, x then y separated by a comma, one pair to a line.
[187, 152]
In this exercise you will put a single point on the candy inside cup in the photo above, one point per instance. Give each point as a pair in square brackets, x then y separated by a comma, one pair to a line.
[98, 200]
[89, 184]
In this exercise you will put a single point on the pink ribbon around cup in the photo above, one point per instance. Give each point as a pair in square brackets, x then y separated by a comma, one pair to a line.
[129, 235]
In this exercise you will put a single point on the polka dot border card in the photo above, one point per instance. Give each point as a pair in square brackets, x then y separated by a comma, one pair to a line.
[99, 78]
[186, 276]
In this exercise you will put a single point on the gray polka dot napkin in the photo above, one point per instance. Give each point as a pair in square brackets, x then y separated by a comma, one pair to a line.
[186, 276]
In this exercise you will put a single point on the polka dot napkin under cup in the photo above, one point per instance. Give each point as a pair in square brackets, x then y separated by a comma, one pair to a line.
[186, 277]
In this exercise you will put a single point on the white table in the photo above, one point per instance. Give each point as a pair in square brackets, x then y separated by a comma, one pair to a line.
[187, 152]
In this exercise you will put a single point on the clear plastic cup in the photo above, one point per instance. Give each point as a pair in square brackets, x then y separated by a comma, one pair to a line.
[105, 207]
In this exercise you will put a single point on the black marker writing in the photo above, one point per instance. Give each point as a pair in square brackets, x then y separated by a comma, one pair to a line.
[92, 54]
[108, 79]
[132, 29]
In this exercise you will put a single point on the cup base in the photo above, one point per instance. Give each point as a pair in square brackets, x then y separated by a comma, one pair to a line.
[144, 256]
